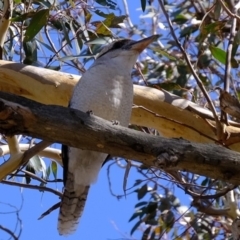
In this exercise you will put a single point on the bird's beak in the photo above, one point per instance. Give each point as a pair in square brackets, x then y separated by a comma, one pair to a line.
[142, 44]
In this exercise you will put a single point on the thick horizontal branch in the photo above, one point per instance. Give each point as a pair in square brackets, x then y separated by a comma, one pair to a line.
[171, 115]
[74, 128]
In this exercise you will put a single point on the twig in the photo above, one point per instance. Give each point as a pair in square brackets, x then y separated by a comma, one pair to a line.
[128, 167]
[229, 55]
[64, 45]
[128, 19]
[228, 11]
[177, 122]
[35, 187]
[54, 207]
[34, 150]
[198, 80]
[50, 41]
[32, 175]
[9, 232]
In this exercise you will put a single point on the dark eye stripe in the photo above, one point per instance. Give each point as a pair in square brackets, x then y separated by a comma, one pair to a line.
[121, 44]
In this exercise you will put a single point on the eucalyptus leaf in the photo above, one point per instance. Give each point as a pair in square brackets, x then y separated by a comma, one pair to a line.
[109, 3]
[143, 4]
[38, 165]
[37, 22]
[54, 168]
[218, 54]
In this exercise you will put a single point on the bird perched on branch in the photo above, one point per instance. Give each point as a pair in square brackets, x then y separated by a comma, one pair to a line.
[106, 89]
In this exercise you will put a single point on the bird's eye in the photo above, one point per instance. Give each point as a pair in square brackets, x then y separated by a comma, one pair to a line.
[120, 44]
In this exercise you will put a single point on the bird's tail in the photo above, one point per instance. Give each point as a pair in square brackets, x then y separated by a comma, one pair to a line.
[72, 206]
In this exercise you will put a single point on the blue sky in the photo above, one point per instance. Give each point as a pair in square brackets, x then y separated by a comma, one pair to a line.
[105, 217]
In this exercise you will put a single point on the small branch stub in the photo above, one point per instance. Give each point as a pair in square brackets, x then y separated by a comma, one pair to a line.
[167, 159]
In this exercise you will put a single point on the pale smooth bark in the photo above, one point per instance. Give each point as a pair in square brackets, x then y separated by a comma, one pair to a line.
[171, 115]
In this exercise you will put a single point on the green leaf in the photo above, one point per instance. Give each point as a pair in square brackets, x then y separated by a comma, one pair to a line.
[164, 53]
[143, 5]
[69, 58]
[204, 60]
[72, 3]
[168, 219]
[140, 204]
[152, 207]
[142, 191]
[30, 49]
[146, 233]
[236, 43]
[29, 169]
[205, 182]
[44, 3]
[101, 14]
[100, 41]
[180, 18]
[217, 10]
[48, 172]
[37, 22]
[212, 27]
[78, 41]
[138, 213]
[65, 33]
[135, 227]
[116, 20]
[35, 163]
[54, 169]
[111, 21]
[165, 204]
[56, 24]
[153, 234]
[169, 85]
[234, 63]
[22, 17]
[188, 31]
[218, 54]
[108, 3]
[38, 165]
[137, 182]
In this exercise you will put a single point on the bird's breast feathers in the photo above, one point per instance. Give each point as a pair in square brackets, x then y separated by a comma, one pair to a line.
[108, 96]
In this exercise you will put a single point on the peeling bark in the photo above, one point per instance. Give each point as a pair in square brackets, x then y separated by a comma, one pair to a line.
[171, 115]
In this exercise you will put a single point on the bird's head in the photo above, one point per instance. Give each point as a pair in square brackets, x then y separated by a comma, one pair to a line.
[124, 51]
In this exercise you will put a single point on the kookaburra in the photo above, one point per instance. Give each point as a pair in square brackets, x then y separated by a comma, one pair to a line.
[106, 89]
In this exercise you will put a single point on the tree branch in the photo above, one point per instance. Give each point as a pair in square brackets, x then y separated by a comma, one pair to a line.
[74, 128]
[35, 187]
[182, 118]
